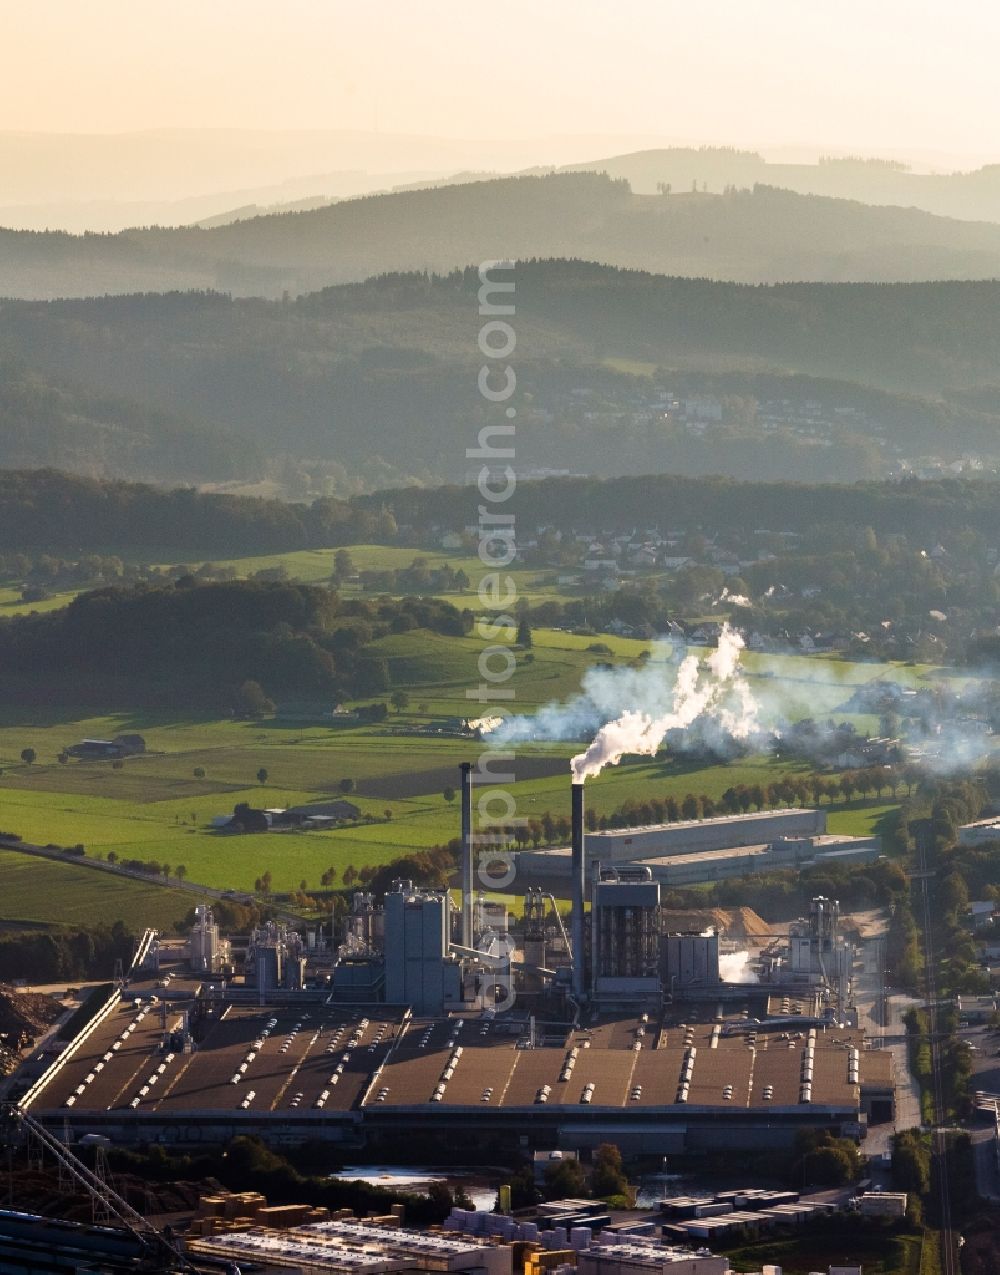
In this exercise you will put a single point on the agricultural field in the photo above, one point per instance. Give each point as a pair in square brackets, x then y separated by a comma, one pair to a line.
[863, 818]
[42, 892]
[160, 806]
[315, 566]
[12, 604]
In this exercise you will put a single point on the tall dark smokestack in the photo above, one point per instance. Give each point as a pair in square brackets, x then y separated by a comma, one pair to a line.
[466, 934]
[578, 870]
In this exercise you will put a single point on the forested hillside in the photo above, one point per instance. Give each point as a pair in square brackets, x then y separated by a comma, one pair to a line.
[46, 422]
[43, 510]
[755, 235]
[903, 570]
[48, 510]
[200, 644]
[371, 385]
[918, 509]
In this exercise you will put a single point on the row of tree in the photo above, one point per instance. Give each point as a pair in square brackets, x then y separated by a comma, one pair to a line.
[790, 790]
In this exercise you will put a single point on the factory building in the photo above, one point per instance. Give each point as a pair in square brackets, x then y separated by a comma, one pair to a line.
[692, 852]
[677, 1081]
[816, 949]
[626, 911]
[690, 959]
[980, 833]
[647, 1259]
[354, 1247]
[419, 971]
[207, 952]
[418, 949]
[365, 929]
[739, 861]
[641, 1043]
[275, 959]
[625, 916]
[694, 836]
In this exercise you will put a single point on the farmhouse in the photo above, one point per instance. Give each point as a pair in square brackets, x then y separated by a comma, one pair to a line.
[104, 749]
[320, 814]
[325, 810]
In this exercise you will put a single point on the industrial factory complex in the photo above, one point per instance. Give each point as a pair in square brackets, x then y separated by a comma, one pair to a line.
[428, 1017]
[697, 851]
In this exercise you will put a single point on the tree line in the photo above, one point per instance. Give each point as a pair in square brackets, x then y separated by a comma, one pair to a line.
[188, 641]
[54, 955]
[913, 508]
[550, 829]
[46, 509]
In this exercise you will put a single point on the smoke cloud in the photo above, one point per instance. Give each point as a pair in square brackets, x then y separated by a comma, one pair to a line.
[698, 690]
[708, 703]
[711, 692]
[734, 967]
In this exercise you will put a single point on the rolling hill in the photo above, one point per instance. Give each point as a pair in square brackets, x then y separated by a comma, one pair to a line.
[170, 176]
[753, 236]
[376, 382]
[970, 196]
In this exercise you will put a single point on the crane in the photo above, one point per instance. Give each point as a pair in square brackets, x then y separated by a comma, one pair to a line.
[118, 1210]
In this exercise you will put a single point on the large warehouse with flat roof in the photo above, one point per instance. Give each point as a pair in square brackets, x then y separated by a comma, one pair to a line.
[693, 851]
[306, 1068]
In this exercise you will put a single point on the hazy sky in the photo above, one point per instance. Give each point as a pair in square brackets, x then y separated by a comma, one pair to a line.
[915, 75]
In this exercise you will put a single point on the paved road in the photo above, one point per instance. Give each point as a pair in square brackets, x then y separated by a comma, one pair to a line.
[984, 1042]
[880, 1013]
[984, 1145]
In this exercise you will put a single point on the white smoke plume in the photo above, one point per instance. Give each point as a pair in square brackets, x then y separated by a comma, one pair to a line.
[735, 599]
[717, 688]
[713, 692]
[735, 967]
[632, 708]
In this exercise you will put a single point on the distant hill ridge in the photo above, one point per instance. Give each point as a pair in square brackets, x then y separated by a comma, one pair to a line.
[971, 196]
[756, 235]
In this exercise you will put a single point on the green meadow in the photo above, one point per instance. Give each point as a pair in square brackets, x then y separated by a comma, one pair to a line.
[314, 566]
[155, 807]
[11, 603]
[41, 893]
